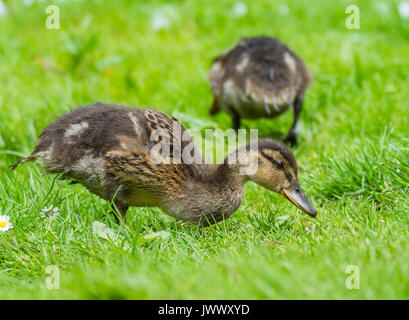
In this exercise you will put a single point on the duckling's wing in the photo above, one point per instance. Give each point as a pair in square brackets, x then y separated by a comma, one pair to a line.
[138, 170]
[162, 162]
[168, 132]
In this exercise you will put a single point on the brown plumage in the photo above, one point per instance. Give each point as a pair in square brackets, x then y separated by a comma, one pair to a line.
[259, 77]
[113, 151]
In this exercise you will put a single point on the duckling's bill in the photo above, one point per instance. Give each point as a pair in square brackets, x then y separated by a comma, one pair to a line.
[295, 194]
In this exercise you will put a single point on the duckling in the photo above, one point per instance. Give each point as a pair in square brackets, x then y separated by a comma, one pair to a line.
[108, 149]
[259, 78]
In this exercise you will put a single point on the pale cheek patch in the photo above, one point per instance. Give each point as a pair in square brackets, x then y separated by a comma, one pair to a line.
[75, 130]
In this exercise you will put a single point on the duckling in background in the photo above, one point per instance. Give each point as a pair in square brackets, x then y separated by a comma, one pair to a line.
[259, 78]
[107, 148]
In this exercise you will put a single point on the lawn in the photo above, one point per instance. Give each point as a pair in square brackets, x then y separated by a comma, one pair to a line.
[353, 153]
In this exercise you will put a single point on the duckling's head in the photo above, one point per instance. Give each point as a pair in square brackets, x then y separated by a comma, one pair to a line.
[277, 171]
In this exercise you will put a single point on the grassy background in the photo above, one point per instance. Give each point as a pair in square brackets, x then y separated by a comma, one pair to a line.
[353, 152]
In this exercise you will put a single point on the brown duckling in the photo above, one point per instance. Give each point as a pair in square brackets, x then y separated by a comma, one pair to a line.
[107, 148]
[259, 78]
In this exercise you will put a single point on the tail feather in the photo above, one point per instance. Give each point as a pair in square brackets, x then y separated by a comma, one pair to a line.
[26, 159]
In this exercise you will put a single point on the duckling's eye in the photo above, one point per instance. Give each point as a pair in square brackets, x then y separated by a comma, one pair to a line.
[280, 164]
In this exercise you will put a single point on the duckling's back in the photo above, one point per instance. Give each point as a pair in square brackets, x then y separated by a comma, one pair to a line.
[259, 77]
[84, 134]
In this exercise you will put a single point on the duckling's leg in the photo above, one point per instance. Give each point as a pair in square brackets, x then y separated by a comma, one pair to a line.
[236, 121]
[291, 136]
[122, 208]
[215, 108]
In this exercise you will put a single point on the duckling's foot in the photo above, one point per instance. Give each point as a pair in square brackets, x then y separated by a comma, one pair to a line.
[291, 138]
[121, 208]
[236, 122]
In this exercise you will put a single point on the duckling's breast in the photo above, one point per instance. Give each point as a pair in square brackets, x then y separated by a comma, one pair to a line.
[203, 204]
[250, 101]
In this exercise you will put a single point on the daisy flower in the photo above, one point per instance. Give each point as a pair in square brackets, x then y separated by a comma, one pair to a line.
[5, 223]
[50, 212]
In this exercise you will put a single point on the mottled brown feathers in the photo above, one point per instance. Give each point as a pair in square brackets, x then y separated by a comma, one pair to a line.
[157, 120]
[259, 77]
[137, 169]
[259, 68]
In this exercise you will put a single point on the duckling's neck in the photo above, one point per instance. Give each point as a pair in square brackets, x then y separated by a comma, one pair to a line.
[230, 175]
[220, 176]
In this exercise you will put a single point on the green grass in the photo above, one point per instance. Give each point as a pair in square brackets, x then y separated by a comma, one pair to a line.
[353, 153]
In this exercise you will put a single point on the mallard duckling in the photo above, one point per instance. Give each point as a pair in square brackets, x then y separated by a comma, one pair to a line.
[107, 148]
[259, 78]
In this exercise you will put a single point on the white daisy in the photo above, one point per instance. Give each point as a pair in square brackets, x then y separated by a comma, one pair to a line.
[50, 212]
[5, 223]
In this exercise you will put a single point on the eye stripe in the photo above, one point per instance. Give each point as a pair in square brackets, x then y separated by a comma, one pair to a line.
[271, 160]
[287, 175]
[280, 152]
